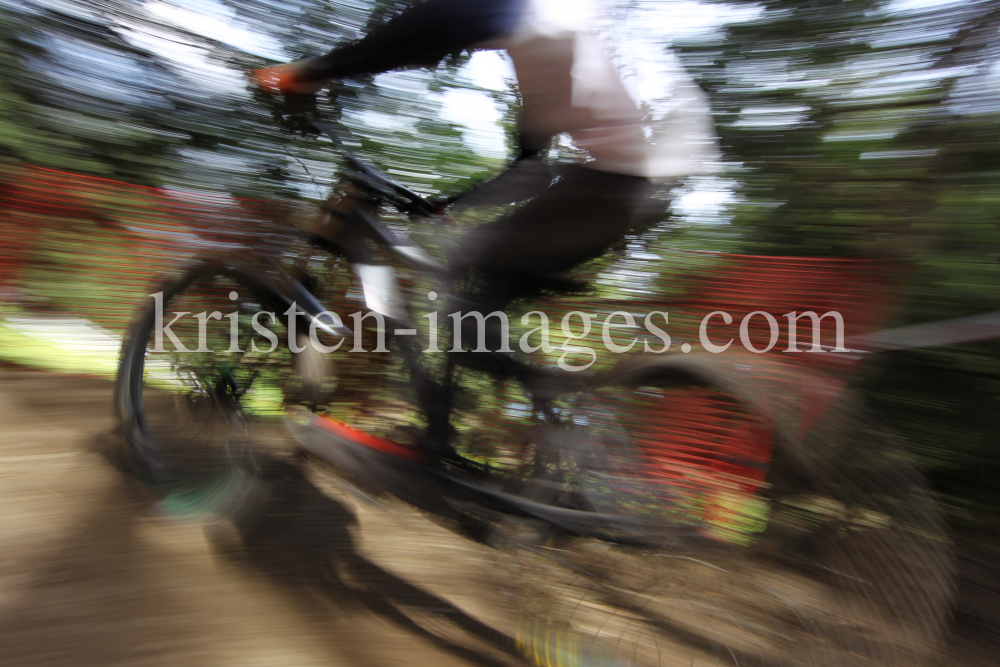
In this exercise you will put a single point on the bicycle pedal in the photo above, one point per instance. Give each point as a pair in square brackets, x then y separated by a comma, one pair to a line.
[376, 465]
[321, 434]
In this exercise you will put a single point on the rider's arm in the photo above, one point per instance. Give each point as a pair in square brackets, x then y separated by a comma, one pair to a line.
[420, 36]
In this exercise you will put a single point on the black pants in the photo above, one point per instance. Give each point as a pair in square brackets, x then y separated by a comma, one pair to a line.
[578, 218]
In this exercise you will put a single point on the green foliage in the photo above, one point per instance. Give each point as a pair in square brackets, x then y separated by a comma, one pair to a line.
[82, 95]
[77, 96]
[866, 129]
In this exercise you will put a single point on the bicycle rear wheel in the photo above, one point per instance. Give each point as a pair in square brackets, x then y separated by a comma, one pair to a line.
[771, 537]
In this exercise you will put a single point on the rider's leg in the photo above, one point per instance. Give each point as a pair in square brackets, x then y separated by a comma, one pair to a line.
[577, 219]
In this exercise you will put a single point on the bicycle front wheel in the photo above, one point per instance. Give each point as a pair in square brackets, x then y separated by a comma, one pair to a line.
[205, 375]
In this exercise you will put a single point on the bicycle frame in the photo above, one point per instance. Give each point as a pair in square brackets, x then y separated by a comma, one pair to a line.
[350, 219]
[346, 223]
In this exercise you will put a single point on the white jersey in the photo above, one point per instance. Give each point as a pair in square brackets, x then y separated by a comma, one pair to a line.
[569, 85]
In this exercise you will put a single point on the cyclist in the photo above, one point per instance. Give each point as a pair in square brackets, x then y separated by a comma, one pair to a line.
[568, 85]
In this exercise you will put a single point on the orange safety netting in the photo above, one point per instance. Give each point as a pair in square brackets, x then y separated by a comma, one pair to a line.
[93, 246]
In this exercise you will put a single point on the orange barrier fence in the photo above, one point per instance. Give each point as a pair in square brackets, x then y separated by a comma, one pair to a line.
[92, 246]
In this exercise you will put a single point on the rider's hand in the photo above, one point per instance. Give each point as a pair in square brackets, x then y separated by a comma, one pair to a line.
[298, 104]
[284, 80]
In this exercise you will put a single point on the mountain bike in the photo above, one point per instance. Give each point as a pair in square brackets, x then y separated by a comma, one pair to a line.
[627, 529]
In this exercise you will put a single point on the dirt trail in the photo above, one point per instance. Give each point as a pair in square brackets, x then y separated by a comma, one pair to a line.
[90, 576]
